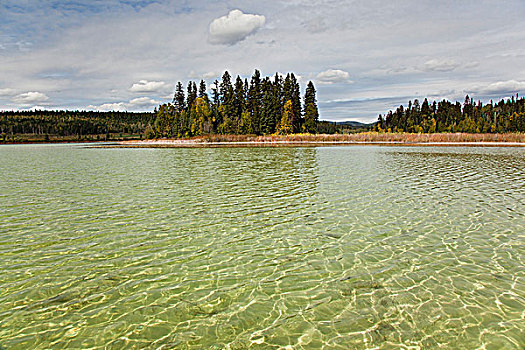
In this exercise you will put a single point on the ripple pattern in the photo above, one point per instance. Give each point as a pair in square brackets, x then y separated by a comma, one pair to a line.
[359, 247]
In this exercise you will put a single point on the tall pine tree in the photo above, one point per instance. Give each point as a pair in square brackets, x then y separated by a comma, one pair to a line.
[254, 102]
[311, 112]
[178, 98]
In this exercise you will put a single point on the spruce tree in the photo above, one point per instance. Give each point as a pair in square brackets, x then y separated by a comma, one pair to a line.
[311, 112]
[215, 92]
[254, 102]
[267, 120]
[225, 89]
[226, 108]
[238, 101]
[192, 95]
[179, 99]
[216, 116]
[277, 99]
[202, 90]
[296, 104]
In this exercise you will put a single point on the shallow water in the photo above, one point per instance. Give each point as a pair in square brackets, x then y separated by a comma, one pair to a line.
[338, 247]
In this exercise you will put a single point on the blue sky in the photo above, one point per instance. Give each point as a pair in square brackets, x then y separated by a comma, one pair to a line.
[365, 57]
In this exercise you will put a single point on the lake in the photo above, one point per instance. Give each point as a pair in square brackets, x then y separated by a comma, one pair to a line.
[294, 248]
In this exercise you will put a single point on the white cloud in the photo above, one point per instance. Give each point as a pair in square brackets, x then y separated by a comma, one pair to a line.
[333, 76]
[31, 97]
[38, 108]
[149, 86]
[143, 102]
[500, 87]
[234, 27]
[441, 65]
[140, 103]
[7, 92]
[118, 106]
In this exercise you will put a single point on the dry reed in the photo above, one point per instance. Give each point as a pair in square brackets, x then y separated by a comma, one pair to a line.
[364, 137]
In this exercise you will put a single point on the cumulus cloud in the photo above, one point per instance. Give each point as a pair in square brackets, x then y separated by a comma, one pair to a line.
[501, 88]
[29, 98]
[333, 76]
[139, 103]
[149, 86]
[143, 102]
[234, 27]
[441, 65]
[118, 106]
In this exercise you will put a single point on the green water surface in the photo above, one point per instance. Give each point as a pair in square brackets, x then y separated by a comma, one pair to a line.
[360, 247]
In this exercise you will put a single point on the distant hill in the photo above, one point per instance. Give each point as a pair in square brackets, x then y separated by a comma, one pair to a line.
[347, 126]
[355, 124]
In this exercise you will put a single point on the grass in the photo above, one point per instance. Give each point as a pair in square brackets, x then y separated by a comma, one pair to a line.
[363, 137]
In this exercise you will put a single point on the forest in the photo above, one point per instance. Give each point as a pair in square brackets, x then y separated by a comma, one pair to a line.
[445, 116]
[79, 125]
[261, 106]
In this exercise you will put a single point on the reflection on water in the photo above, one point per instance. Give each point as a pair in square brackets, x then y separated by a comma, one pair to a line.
[344, 247]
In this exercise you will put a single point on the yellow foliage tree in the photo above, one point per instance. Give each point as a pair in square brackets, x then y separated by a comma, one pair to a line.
[285, 125]
[202, 122]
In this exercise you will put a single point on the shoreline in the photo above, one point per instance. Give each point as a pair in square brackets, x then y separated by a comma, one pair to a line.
[216, 144]
[308, 140]
[319, 140]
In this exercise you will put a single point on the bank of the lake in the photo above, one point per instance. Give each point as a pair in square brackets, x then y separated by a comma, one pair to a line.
[369, 138]
[314, 140]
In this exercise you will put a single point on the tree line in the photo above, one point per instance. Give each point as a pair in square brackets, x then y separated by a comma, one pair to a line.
[445, 116]
[73, 123]
[263, 105]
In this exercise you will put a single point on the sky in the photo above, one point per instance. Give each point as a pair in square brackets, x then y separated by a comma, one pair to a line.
[365, 57]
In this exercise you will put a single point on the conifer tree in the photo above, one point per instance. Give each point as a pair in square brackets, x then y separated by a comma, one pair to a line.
[238, 101]
[277, 99]
[191, 95]
[311, 112]
[267, 120]
[292, 92]
[225, 89]
[215, 92]
[216, 116]
[226, 108]
[202, 90]
[254, 102]
[179, 99]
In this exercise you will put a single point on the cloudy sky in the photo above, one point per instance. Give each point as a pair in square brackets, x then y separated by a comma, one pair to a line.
[365, 56]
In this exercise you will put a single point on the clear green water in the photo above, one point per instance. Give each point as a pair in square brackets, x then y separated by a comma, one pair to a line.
[265, 248]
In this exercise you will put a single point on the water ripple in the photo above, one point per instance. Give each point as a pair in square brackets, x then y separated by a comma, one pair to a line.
[303, 248]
